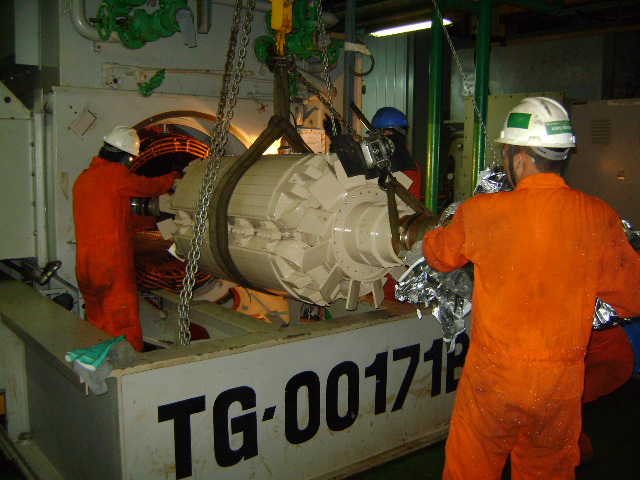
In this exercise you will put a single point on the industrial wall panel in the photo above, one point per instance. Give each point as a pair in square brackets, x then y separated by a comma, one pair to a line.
[27, 32]
[572, 65]
[16, 182]
[386, 86]
[78, 433]
[196, 71]
[605, 163]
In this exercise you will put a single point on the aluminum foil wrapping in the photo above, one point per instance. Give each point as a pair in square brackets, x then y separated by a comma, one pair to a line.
[632, 235]
[448, 293]
[605, 316]
[492, 180]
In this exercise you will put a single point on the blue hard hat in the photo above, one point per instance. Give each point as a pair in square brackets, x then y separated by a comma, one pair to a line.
[389, 117]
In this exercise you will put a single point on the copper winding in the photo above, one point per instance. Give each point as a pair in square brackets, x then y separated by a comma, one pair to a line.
[170, 144]
[155, 267]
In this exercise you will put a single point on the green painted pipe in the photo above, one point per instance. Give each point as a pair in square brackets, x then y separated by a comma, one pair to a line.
[138, 27]
[434, 115]
[483, 41]
[147, 88]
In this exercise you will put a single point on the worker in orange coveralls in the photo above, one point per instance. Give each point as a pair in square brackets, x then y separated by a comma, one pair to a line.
[104, 234]
[541, 255]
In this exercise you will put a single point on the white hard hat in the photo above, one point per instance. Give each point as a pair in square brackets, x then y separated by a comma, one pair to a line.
[540, 123]
[125, 139]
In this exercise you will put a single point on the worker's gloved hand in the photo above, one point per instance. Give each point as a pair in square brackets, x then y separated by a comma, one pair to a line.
[178, 166]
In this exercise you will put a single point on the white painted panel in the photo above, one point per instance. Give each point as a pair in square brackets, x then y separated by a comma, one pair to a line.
[296, 410]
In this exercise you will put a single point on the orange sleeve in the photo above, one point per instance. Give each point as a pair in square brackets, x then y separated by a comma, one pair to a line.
[619, 279]
[443, 247]
[141, 223]
[132, 185]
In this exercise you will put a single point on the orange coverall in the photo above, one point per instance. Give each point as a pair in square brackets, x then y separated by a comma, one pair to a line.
[609, 363]
[541, 255]
[104, 257]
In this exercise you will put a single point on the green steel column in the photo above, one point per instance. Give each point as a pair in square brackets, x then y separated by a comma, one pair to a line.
[434, 114]
[483, 42]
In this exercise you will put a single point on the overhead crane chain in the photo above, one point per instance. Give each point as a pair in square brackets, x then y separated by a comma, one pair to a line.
[226, 78]
[228, 92]
[325, 64]
[465, 83]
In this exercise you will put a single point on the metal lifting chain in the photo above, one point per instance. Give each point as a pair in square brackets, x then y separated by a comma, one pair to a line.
[218, 142]
[226, 78]
[465, 83]
[324, 41]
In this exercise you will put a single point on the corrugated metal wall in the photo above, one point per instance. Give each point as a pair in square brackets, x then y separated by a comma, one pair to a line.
[386, 85]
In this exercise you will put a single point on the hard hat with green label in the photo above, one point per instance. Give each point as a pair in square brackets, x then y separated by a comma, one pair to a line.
[542, 124]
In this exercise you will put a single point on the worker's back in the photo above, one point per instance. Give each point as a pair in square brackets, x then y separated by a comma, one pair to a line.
[102, 216]
[542, 254]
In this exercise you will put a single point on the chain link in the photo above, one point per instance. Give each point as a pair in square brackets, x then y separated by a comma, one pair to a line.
[324, 42]
[228, 92]
[466, 84]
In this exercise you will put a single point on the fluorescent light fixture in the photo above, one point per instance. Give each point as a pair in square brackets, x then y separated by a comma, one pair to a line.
[406, 28]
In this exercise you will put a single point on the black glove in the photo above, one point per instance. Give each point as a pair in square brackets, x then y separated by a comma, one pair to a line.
[178, 166]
